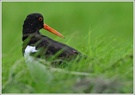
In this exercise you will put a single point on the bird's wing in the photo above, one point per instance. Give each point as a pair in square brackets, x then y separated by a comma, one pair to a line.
[49, 47]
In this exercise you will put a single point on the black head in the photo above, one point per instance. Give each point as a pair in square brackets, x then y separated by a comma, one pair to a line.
[33, 23]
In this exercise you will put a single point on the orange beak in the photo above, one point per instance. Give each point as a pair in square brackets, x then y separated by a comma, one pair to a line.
[48, 28]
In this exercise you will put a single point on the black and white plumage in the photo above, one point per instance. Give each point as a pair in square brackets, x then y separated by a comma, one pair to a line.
[36, 45]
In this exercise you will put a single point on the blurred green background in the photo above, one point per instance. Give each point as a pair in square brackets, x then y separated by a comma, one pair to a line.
[110, 21]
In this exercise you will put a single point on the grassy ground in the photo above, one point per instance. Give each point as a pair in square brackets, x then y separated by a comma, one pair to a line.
[102, 31]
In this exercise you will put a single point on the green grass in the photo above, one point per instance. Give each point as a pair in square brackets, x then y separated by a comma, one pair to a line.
[102, 31]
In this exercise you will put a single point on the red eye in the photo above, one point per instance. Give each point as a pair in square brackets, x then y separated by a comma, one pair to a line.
[40, 18]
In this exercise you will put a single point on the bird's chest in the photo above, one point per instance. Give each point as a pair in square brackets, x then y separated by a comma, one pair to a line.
[27, 53]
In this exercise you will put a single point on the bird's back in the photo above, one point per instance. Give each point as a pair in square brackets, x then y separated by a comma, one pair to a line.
[47, 48]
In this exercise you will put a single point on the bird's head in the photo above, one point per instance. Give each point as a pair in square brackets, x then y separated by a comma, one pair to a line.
[34, 22]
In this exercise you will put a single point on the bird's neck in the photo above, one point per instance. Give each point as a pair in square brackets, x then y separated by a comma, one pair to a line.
[28, 30]
[27, 34]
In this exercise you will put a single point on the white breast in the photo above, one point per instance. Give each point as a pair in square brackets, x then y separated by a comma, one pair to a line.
[28, 50]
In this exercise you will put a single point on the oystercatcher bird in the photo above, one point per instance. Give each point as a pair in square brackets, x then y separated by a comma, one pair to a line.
[36, 45]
